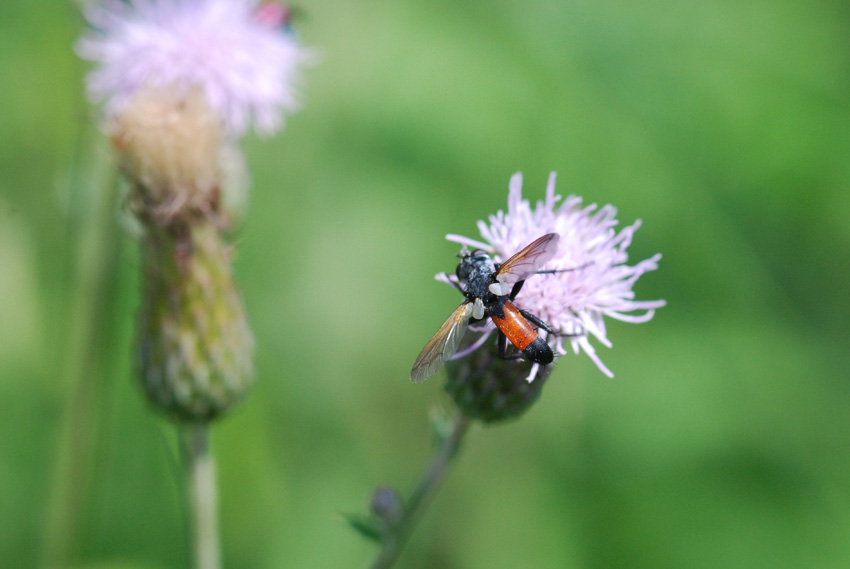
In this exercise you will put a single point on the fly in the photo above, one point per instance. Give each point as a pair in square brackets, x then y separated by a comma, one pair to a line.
[490, 289]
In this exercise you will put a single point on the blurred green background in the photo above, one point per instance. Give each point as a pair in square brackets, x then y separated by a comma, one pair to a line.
[723, 440]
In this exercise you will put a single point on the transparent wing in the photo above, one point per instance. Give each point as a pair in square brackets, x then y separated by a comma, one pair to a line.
[525, 263]
[443, 345]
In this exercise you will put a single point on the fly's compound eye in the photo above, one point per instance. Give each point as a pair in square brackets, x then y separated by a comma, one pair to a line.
[462, 271]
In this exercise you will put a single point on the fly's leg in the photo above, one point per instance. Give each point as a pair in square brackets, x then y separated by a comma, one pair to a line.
[503, 349]
[515, 290]
[540, 323]
[454, 284]
[536, 320]
[518, 285]
[553, 271]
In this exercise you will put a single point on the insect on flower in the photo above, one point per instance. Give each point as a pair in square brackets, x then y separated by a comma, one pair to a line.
[490, 289]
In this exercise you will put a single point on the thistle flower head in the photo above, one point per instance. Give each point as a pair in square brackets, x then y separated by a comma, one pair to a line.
[599, 281]
[491, 389]
[233, 51]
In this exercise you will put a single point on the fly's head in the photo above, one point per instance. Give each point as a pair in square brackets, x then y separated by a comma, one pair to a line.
[475, 272]
[472, 263]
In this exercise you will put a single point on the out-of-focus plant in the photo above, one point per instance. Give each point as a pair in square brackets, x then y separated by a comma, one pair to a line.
[180, 83]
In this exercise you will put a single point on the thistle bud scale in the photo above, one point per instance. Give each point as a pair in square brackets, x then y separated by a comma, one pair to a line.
[196, 346]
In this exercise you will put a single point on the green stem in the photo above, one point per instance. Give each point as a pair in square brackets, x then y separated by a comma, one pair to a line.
[91, 253]
[201, 496]
[432, 477]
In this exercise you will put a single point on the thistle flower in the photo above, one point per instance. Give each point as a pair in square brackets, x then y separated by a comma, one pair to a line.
[181, 82]
[598, 284]
[235, 52]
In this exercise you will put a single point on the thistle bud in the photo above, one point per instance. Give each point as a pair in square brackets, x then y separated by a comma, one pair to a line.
[387, 505]
[492, 389]
[196, 347]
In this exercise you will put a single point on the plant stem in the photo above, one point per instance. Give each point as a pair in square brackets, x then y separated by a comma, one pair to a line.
[394, 542]
[201, 496]
[92, 247]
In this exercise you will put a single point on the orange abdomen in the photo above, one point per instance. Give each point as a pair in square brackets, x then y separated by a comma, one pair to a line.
[514, 325]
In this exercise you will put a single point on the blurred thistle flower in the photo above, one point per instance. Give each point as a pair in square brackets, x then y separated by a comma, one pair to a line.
[572, 303]
[237, 53]
[181, 81]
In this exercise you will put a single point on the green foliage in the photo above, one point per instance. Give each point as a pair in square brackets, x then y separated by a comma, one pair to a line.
[365, 526]
[721, 442]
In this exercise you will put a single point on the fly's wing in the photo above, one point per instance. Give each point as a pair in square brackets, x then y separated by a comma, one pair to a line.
[443, 345]
[525, 263]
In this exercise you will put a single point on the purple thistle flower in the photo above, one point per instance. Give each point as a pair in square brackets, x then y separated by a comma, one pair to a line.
[231, 50]
[573, 302]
